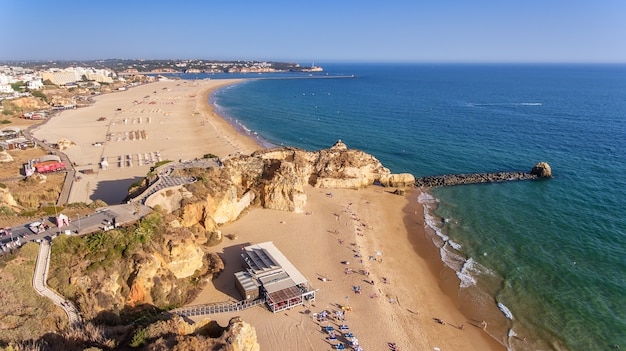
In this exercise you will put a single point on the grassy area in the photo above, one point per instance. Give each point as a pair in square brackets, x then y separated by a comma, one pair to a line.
[24, 314]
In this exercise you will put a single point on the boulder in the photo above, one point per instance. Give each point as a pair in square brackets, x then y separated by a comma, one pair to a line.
[542, 170]
[241, 336]
[5, 156]
[397, 180]
[7, 199]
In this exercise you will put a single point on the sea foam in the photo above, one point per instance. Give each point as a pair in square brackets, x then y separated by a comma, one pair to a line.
[507, 313]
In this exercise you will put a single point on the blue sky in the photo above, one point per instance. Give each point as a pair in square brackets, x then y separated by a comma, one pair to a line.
[316, 31]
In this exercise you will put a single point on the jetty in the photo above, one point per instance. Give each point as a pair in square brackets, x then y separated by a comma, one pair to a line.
[541, 170]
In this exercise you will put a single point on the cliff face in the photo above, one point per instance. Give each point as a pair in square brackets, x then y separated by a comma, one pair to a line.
[177, 334]
[113, 273]
[277, 179]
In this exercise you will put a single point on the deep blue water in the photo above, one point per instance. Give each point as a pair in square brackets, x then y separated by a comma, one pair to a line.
[540, 259]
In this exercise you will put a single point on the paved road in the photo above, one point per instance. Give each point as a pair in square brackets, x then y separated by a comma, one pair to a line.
[39, 283]
[102, 219]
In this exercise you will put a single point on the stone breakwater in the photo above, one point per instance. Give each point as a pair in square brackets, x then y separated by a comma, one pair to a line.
[541, 170]
[459, 179]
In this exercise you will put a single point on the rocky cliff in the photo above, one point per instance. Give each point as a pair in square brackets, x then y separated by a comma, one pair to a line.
[276, 179]
[114, 273]
[179, 335]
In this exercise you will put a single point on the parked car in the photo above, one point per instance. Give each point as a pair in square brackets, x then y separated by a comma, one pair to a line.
[35, 227]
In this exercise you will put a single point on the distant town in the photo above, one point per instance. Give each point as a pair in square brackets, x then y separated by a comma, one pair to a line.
[81, 79]
[34, 73]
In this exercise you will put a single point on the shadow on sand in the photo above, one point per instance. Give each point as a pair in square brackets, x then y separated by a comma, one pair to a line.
[112, 192]
[225, 282]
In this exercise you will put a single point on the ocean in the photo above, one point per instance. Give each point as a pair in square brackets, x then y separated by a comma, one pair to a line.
[544, 260]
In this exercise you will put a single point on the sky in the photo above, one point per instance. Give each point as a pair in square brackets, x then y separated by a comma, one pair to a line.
[548, 31]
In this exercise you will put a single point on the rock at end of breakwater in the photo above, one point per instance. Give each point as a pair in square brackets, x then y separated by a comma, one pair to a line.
[542, 170]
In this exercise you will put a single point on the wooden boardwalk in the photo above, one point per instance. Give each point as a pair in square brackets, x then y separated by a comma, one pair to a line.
[214, 308]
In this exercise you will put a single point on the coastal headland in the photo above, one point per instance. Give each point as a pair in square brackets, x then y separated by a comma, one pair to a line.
[405, 301]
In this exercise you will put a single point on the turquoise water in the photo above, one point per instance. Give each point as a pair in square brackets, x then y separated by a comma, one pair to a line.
[544, 260]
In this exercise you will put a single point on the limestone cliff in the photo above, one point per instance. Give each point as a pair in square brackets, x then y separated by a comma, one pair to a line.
[177, 334]
[113, 273]
[276, 178]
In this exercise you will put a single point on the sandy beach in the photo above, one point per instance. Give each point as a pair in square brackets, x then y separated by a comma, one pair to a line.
[166, 120]
[384, 230]
[410, 302]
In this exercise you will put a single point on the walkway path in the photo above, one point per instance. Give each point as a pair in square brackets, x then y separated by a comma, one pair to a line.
[39, 283]
[166, 180]
[220, 307]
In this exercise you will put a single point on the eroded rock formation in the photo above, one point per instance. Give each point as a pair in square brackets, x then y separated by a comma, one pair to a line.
[276, 178]
[180, 335]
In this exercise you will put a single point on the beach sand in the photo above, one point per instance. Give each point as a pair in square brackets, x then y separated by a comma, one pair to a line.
[385, 230]
[167, 120]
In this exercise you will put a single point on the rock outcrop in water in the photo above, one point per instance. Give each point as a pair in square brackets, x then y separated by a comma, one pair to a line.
[542, 170]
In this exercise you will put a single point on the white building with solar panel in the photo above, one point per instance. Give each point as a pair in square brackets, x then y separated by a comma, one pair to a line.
[270, 276]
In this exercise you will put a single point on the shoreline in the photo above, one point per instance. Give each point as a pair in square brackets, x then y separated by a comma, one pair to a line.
[370, 221]
[406, 309]
[418, 239]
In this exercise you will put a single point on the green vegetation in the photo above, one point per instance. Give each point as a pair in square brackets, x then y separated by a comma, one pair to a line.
[51, 210]
[101, 250]
[157, 165]
[5, 121]
[209, 156]
[9, 109]
[97, 204]
[17, 86]
[40, 94]
[6, 211]
[214, 239]
[139, 338]
[77, 205]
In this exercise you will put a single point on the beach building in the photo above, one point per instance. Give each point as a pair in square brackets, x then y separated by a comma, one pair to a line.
[10, 132]
[13, 144]
[270, 276]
